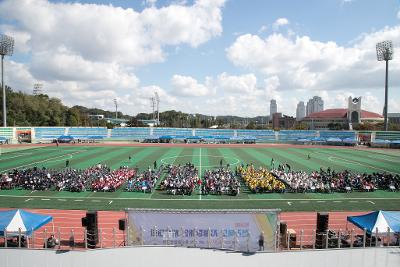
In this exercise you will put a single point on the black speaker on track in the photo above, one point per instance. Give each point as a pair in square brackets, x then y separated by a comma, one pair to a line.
[322, 228]
[121, 224]
[92, 228]
[283, 234]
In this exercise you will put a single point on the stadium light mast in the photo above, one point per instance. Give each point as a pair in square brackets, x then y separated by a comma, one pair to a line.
[116, 108]
[6, 49]
[157, 98]
[384, 52]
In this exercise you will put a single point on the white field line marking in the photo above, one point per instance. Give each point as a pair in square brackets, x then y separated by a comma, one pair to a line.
[322, 201]
[29, 199]
[78, 200]
[289, 203]
[60, 199]
[200, 172]
[16, 156]
[373, 203]
[162, 177]
[384, 158]
[337, 201]
[42, 161]
[248, 199]
[233, 161]
[331, 158]
[109, 203]
[45, 199]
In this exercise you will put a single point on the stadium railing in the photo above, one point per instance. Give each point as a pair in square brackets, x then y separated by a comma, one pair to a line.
[78, 238]
[136, 133]
[48, 133]
[87, 132]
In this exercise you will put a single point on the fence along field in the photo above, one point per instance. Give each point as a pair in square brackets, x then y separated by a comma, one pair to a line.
[203, 158]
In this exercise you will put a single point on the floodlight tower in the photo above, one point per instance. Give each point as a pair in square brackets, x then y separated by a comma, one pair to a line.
[116, 108]
[384, 52]
[153, 106]
[6, 49]
[157, 98]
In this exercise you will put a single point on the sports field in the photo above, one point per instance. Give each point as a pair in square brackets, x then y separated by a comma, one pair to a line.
[204, 157]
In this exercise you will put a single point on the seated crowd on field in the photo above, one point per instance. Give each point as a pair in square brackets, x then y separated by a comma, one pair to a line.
[220, 181]
[145, 181]
[96, 178]
[184, 180]
[260, 180]
[181, 179]
[337, 181]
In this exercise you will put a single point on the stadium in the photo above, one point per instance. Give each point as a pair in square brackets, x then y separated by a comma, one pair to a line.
[84, 186]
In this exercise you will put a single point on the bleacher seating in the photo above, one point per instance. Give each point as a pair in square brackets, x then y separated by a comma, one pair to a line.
[43, 133]
[391, 136]
[338, 134]
[87, 132]
[260, 135]
[295, 135]
[136, 133]
[215, 132]
[172, 131]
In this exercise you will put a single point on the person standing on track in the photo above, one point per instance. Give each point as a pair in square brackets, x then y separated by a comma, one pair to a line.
[272, 163]
[67, 163]
[308, 157]
[155, 164]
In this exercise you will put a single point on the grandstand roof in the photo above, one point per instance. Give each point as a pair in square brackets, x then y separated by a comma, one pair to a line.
[341, 113]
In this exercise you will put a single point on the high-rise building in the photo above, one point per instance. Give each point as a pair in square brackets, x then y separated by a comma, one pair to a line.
[315, 104]
[300, 111]
[273, 107]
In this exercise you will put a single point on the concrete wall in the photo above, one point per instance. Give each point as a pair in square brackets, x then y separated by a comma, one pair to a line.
[194, 257]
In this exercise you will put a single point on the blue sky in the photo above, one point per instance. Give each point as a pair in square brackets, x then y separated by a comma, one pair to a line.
[209, 56]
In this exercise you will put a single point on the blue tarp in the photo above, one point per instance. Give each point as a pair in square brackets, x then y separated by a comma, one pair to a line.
[350, 140]
[334, 139]
[380, 141]
[13, 220]
[66, 137]
[378, 219]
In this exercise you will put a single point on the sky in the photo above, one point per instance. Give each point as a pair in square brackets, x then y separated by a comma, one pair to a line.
[215, 57]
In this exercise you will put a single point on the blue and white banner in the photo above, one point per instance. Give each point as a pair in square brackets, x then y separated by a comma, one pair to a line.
[237, 230]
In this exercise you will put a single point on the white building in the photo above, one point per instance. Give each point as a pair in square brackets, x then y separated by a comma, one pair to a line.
[315, 104]
[273, 108]
[300, 111]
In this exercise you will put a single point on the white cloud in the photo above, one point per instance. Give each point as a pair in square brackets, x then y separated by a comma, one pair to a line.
[279, 23]
[242, 84]
[188, 86]
[89, 53]
[302, 63]
[262, 29]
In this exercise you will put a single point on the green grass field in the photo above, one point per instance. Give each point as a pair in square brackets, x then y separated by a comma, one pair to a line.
[204, 158]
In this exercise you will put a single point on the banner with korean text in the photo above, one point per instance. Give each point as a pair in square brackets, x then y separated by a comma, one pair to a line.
[239, 230]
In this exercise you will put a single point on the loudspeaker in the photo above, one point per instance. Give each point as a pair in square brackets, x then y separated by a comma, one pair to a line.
[92, 229]
[283, 228]
[84, 222]
[322, 222]
[121, 224]
[322, 227]
[283, 234]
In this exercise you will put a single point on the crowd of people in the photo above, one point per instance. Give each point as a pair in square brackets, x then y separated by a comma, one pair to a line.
[260, 180]
[96, 178]
[181, 179]
[220, 181]
[145, 181]
[337, 181]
